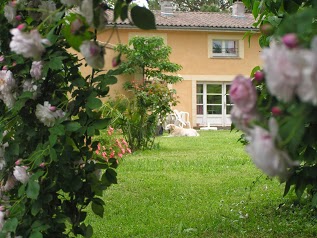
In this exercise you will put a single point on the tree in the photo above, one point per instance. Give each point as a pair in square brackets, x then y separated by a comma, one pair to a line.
[150, 57]
[152, 99]
[195, 5]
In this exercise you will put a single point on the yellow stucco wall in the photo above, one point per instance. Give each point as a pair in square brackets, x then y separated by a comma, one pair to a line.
[190, 49]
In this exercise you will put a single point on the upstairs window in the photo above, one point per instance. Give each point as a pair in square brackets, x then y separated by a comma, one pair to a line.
[225, 48]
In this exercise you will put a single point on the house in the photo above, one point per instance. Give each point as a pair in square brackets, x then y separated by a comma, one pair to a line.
[211, 49]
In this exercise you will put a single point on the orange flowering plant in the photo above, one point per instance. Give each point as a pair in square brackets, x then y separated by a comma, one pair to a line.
[110, 148]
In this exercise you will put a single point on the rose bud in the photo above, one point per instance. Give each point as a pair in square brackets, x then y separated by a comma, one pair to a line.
[116, 61]
[53, 108]
[290, 40]
[259, 76]
[276, 111]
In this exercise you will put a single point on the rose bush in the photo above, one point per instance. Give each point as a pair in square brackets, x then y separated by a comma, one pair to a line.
[276, 106]
[49, 115]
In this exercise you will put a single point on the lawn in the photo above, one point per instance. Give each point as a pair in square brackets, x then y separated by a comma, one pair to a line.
[199, 187]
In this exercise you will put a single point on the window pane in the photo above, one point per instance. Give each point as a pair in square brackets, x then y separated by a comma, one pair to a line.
[228, 99]
[229, 107]
[214, 99]
[214, 88]
[199, 99]
[199, 88]
[227, 88]
[214, 109]
[216, 46]
[231, 47]
[199, 109]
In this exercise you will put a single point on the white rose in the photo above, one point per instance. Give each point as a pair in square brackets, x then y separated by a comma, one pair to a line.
[36, 69]
[93, 54]
[10, 12]
[282, 68]
[28, 44]
[21, 174]
[7, 84]
[45, 115]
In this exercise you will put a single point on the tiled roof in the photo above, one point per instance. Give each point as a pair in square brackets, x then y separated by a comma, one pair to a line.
[201, 20]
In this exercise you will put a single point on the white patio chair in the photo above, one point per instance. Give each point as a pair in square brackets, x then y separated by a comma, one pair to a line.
[182, 119]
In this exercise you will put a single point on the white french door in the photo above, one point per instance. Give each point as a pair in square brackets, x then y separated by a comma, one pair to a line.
[213, 104]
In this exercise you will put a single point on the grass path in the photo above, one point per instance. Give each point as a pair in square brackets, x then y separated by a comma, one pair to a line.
[198, 187]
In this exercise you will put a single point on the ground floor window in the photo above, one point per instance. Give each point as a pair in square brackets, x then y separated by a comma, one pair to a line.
[213, 102]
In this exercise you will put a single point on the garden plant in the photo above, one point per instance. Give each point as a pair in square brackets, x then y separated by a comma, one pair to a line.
[139, 116]
[52, 164]
[276, 107]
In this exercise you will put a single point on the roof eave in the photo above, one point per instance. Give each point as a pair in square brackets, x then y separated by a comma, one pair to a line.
[193, 28]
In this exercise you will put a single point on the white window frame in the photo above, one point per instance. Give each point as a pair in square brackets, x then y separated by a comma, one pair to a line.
[223, 38]
[224, 48]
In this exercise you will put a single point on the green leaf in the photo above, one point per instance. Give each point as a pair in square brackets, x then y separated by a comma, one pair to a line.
[36, 234]
[124, 12]
[111, 176]
[117, 9]
[97, 208]
[53, 154]
[274, 20]
[254, 70]
[300, 188]
[21, 190]
[89, 231]
[33, 189]
[108, 79]
[93, 102]
[10, 225]
[36, 207]
[17, 210]
[39, 225]
[56, 63]
[143, 18]
[51, 36]
[26, 95]
[314, 200]
[290, 6]
[75, 40]
[79, 82]
[255, 9]
[57, 129]
[19, 104]
[101, 123]
[72, 126]
[52, 139]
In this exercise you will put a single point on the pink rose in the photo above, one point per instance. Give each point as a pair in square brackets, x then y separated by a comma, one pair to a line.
[243, 93]
[264, 153]
[242, 120]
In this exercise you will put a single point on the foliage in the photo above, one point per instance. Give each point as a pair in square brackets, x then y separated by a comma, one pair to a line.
[148, 56]
[139, 117]
[285, 107]
[152, 99]
[49, 116]
[195, 5]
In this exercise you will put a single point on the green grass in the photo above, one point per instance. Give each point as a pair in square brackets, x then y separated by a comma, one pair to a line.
[198, 187]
